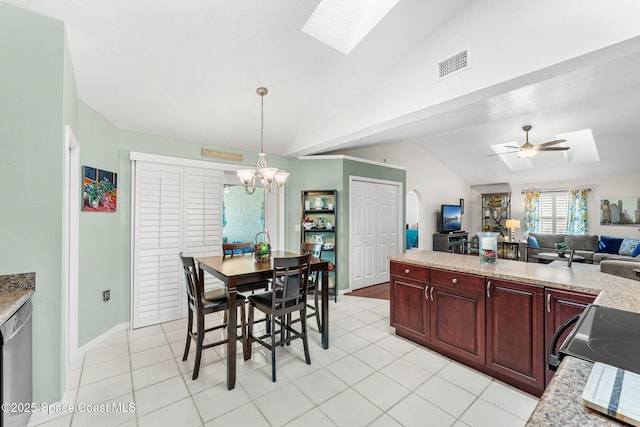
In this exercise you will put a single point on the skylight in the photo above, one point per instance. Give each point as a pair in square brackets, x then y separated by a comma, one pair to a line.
[343, 24]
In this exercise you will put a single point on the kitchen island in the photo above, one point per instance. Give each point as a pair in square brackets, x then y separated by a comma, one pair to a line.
[560, 404]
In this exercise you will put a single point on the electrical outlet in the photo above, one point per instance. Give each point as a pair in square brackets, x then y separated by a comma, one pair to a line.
[297, 227]
[106, 295]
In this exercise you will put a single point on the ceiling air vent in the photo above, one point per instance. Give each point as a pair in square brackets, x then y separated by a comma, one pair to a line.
[457, 63]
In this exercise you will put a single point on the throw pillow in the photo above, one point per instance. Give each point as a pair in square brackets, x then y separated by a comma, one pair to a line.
[609, 245]
[628, 246]
[533, 242]
[636, 251]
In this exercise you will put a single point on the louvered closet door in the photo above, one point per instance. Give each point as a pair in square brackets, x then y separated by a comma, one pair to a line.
[203, 189]
[157, 282]
[176, 209]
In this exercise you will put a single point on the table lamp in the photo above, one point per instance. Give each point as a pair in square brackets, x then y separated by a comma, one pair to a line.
[512, 224]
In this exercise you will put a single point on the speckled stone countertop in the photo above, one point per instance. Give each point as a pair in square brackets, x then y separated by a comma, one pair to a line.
[15, 290]
[561, 403]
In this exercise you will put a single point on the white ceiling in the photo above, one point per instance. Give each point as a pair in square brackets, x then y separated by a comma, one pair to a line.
[189, 70]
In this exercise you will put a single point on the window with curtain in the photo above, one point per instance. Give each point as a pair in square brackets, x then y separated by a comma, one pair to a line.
[557, 212]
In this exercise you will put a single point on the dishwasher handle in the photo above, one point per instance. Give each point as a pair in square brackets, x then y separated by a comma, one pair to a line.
[554, 359]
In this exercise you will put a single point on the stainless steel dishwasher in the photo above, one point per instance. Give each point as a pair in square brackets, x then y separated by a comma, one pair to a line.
[17, 376]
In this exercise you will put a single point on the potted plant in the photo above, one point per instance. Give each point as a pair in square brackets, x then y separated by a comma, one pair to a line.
[93, 192]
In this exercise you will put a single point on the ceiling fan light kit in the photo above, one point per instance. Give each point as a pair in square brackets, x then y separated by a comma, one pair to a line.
[529, 150]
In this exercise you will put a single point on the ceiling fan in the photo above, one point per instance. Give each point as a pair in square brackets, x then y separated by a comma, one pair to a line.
[529, 150]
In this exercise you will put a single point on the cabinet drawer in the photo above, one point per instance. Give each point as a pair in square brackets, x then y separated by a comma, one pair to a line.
[457, 280]
[410, 271]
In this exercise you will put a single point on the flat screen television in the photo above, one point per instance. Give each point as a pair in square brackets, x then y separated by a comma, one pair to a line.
[450, 218]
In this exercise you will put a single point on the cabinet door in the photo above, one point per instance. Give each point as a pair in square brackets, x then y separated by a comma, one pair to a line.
[457, 320]
[515, 333]
[408, 301]
[559, 306]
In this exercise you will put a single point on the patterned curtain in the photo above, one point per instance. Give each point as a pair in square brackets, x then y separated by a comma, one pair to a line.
[531, 212]
[577, 213]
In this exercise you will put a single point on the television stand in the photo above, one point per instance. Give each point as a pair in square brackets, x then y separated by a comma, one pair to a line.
[453, 242]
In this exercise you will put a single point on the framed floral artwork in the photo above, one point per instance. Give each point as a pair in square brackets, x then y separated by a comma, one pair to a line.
[99, 190]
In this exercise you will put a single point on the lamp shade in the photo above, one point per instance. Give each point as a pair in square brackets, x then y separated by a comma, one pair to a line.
[512, 223]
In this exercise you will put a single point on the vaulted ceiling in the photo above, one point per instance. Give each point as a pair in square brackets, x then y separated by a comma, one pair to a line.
[189, 70]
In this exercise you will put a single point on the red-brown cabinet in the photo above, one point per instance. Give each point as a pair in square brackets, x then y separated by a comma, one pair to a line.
[457, 315]
[515, 333]
[500, 327]
[409, 310]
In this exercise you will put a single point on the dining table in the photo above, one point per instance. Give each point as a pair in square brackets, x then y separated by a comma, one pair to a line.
[239, 270]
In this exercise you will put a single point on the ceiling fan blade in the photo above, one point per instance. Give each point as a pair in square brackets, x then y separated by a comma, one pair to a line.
[512, 146]
[498, 154]
[547, 144]
[553, 148]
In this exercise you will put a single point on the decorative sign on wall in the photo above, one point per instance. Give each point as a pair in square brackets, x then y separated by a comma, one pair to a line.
[623, 210]
[99, 190]
[223, 155]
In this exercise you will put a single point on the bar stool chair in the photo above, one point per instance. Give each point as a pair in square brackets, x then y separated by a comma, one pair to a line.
[200, 304]
[292, 274]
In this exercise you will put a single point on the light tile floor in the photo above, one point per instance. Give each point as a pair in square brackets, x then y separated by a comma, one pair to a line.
[368, 376]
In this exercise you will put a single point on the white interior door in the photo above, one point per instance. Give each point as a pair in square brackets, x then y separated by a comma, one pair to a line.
[375, 226]
[387, 208]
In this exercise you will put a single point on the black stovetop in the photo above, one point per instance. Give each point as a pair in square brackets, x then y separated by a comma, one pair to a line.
[606, 335]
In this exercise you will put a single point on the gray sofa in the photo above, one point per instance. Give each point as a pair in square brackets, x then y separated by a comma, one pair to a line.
[585, 246]
[621, 268]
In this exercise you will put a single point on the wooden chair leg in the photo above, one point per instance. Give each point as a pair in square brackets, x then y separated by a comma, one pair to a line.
[317, 311]
[199, 341]
[243, 321]
[305, 343]
[249, 333]
[189, 335]
[273, 347]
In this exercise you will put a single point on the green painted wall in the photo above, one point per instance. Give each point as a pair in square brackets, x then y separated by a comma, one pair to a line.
[33, 57]
[100, 239]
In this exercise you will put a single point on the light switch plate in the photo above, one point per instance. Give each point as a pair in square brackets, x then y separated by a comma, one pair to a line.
[297, 227]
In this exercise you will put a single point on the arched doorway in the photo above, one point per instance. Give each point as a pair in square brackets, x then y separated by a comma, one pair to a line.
[413, 220]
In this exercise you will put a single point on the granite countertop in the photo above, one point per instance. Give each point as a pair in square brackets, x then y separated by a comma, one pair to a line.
[15, 290]
[561, 403]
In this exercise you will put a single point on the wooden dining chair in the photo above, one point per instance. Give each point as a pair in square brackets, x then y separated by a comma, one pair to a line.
[243, 249]
[292, 274]
[200, 304]
[315, 250]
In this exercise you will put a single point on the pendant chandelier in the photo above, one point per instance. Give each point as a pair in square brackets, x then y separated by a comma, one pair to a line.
[264, 174]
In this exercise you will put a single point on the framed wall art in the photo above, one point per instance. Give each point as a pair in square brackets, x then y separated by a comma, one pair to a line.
[621, 210]
[99, 190]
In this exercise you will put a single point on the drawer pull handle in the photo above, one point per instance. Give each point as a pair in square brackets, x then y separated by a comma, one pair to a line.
[407, 271]
[431, 293]
[548, 303]
[489, 289]
[426, 293]
[454, 281]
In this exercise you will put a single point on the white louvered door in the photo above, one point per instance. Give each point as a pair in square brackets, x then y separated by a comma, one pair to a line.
[203, 216]
[156, 268]
[176, 209]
